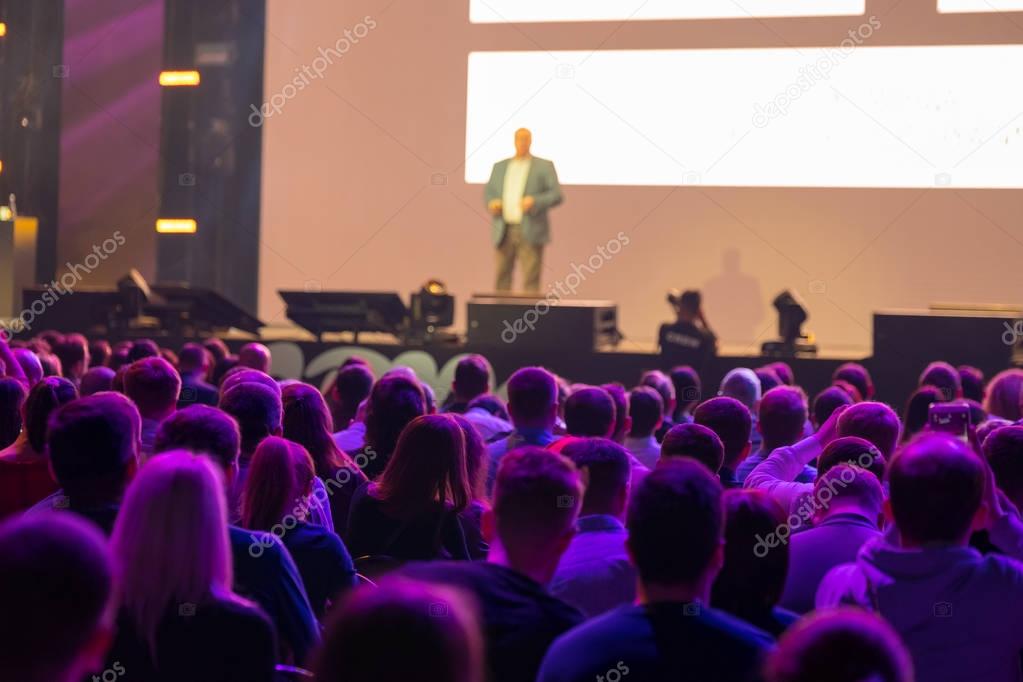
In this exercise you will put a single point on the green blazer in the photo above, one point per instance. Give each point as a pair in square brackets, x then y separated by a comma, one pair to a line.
[542, 185]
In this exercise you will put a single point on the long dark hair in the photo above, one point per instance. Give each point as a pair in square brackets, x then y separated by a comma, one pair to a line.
[12, 397]
[45, 397]
[427, 467]
[307, 421]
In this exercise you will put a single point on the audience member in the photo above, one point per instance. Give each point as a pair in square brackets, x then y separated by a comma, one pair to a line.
[1004, 395]
[783, 371]
[56, 587]
[307, 421]
[768, 379]
[914, 418]
[660, 382]
[416, 510]
[490, 417]
[537, 498]
[689, 339]
[472, 379]
[263, 569]
[351, 388]
[395, 401]
[945, 378]
[30, 365]
[180, 619]
[595, 574]
[646, 409]
[12, 400]
[153, 385]
[143, 348]
[73, 352]
[255, 356]
[733, 424]
[92, 445]
[402, 631]
[675, 524]
[697, 442]
[24, 467]
[247, 375]
[826, 402]
[858, 377]
[752, 578]
[276, 499]
[972, 381]
[956, 610]
[849, 518]
[97, 380]
[688, 392]
[742, 384]
[840, 645]
[533, 406]
[99, 353]
[623, 420]
[1003, 450]
[781, 418]
[194, 364]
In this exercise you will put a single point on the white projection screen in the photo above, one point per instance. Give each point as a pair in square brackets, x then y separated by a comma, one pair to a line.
[503, 11]
[742, 147]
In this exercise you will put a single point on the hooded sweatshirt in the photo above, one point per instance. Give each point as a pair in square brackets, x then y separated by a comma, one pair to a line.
[959, 613]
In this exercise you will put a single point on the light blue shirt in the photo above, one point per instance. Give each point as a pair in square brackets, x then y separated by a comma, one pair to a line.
[525, 436]
[352, 438]
[595, 574]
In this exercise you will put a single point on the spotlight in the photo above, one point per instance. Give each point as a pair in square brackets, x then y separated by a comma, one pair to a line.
[791, 316]
[3, 29]
[433, 308]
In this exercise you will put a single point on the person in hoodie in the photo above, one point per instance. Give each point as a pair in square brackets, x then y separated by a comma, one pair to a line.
[957, 611]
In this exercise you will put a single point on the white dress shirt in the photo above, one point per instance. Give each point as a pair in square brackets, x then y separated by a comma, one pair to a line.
[514, 189]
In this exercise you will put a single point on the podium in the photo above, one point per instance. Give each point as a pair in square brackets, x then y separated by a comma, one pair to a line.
[17, 262]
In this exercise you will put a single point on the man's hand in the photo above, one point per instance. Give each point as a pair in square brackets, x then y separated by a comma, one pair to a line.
[527, 203]
[495, 206]
[829, 429]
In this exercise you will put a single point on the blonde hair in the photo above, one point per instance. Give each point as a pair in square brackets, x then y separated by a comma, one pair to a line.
[170, 541]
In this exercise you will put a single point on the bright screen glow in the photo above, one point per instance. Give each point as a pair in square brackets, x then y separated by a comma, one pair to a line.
[962, 6]
[808, 117]
[522, 11]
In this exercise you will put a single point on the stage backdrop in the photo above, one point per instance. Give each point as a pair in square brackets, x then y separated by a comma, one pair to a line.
[863, 154]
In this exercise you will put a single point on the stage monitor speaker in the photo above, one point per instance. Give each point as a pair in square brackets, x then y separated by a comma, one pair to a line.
[190, 310]
[87, 310]
[346, 311]
[529, 322]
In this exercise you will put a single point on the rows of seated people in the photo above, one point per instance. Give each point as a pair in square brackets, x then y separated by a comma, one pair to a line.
[188, 516]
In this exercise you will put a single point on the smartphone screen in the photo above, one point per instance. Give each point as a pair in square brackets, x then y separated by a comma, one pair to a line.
[951, 418]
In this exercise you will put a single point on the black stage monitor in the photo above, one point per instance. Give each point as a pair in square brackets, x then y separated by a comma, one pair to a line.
[346, 311]
[187, 308]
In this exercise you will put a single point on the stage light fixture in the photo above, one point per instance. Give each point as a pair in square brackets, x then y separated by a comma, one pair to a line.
[176, 226]
[171, 79]
[3, 29]
[432, 309]
[791, 316]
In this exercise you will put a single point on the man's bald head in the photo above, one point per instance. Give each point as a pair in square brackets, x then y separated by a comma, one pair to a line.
[523, 141]
[255, 356]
